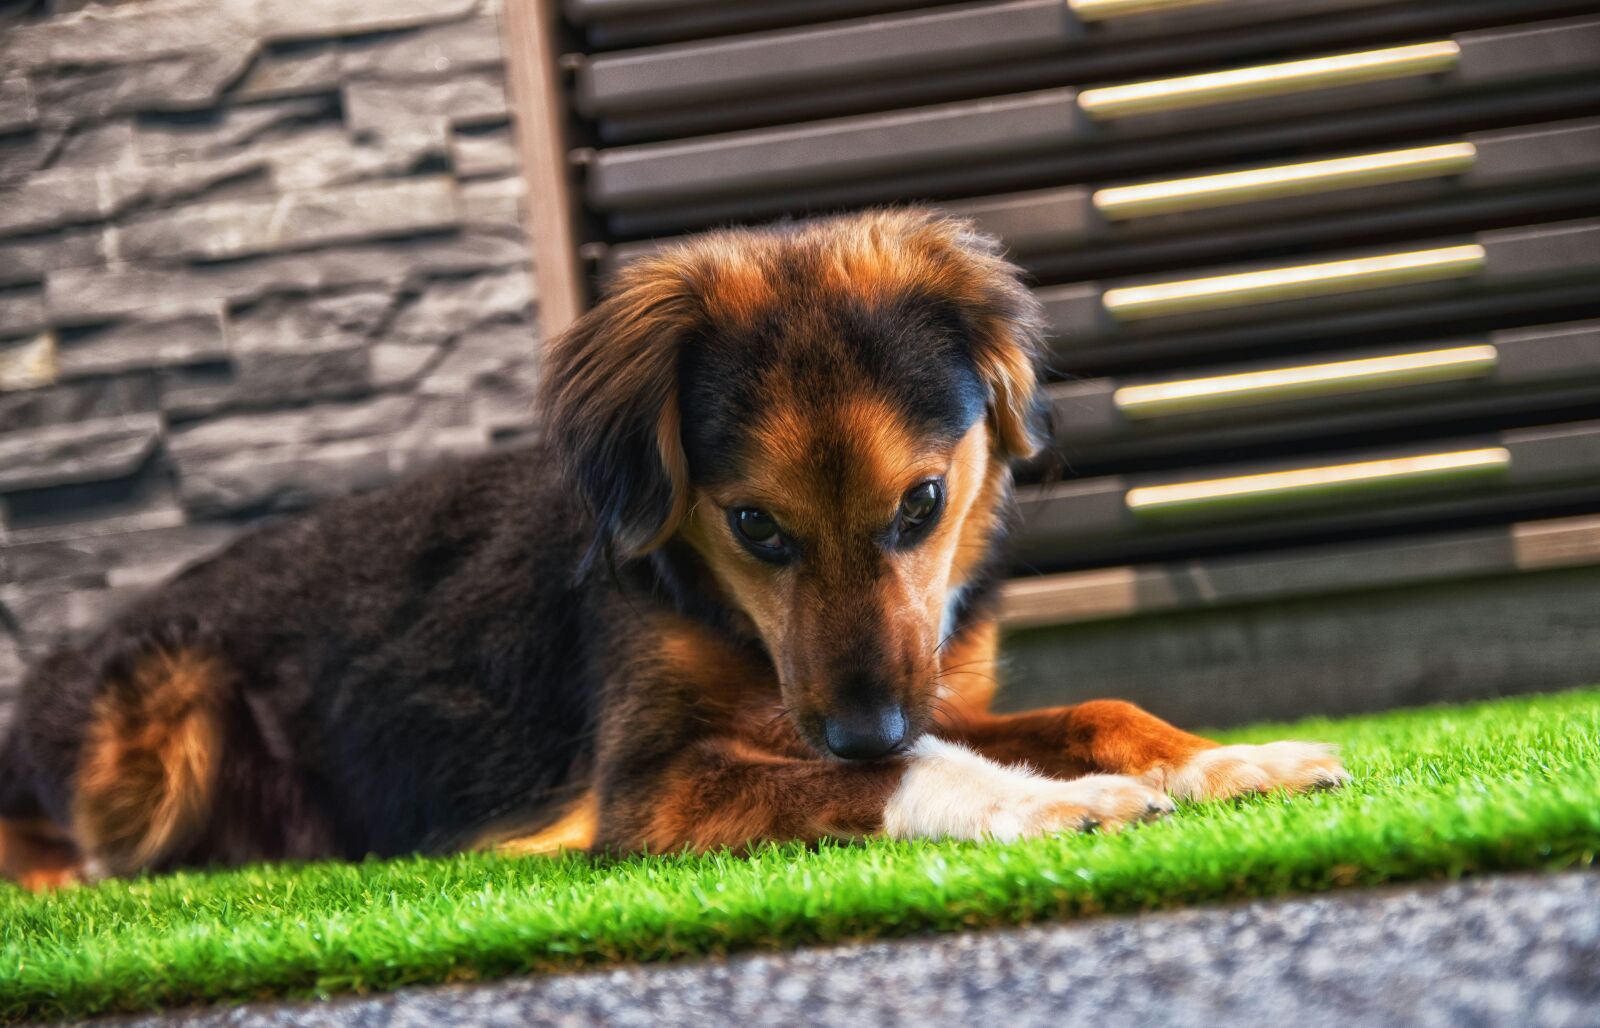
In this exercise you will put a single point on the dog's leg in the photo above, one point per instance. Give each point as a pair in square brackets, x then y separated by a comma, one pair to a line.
[1109, 736]
[1112, 736]
[722, 793]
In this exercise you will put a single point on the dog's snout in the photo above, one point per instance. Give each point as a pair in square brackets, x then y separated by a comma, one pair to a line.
[865, 733]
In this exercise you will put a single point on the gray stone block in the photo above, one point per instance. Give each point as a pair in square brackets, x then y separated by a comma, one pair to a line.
[30, 364]
[17, 107]
[391, 417]
[54, 198]
[312, 370]
[448, 309]
[286, 322]
[120, 558]
[30, 258]
[293, 220]
[155, 339]
[77, 401]
[147, 490]
[328, 156]
[187, 547]
[74, 195]
[291, 71]
[398, 365]
[131, 188]
[476, 154]
[97, 145]
[53, 616]
[433, 52]
[493, 207]
[24, 153]
[124, 524]
[76, 296]
[160, 141]
[472, 99]
[83, 452]
[496, 358]
[297, 19]
[131, 33]
[506, 410]
[308, 370]
[13, 668]
[185, 83]
[295, 477]
[21, 310]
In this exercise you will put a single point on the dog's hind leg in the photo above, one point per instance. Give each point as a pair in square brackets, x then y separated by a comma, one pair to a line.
[34, 851]
[37, 854]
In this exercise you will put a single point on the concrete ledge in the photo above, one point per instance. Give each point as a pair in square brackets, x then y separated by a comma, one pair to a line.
[1449, 642]
[1515, 951]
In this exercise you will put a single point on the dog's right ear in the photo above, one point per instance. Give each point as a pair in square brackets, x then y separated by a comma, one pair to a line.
[610, 401]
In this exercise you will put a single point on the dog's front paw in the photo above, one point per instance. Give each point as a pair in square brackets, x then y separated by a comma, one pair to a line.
[1228, 771]
[950, 792]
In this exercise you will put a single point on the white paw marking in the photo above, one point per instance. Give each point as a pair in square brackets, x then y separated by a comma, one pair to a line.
[1236, 770]
[950, 792]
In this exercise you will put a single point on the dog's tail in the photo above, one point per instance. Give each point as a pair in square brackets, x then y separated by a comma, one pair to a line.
[147, 775]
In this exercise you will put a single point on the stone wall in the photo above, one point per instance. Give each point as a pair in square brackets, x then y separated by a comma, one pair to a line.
[253, 253]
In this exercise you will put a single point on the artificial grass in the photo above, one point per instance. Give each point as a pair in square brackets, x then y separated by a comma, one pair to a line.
[1436, 793]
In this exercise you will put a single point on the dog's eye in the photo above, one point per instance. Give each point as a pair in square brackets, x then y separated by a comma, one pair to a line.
[919, 507]
[759, 531]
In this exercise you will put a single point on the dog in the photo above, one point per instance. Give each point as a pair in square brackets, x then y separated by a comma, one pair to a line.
[741, 588]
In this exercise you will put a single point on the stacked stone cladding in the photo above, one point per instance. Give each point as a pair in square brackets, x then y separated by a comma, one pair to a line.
[253, 254]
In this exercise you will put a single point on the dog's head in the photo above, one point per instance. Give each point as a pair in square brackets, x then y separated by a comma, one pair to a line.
[825, 415]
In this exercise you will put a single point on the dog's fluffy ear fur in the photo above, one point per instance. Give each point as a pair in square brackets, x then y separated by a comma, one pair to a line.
[610, 396]
[1007, 330]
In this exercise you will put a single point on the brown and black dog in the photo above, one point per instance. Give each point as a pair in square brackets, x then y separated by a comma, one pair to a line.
[742, 589]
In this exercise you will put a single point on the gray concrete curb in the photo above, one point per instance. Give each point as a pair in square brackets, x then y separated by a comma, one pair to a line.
[1517, 950]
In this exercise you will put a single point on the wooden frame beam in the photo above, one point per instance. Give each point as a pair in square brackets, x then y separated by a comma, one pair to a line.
[531, 32]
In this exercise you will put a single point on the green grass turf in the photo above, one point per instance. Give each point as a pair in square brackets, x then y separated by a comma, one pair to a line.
[1436, 793]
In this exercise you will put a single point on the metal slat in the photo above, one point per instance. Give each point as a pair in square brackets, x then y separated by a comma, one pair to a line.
[800, 83]
[1324, 482]
[1114, 517]
[1508, 376]
[1015, 126]
[676, 20]
[850, 147]
[1207, 192]
[825, 56]
[1108, 103]
[1084, 313]
[1294, 282]
[1359, 376]
[1134, 155]
[829, 56]
[1068, 218]
[1105, 10]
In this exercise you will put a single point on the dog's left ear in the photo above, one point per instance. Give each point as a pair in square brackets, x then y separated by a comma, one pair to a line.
[610, 402]
[1005, 326]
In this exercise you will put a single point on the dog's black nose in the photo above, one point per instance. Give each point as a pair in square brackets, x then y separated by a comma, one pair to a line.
[865, 734]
